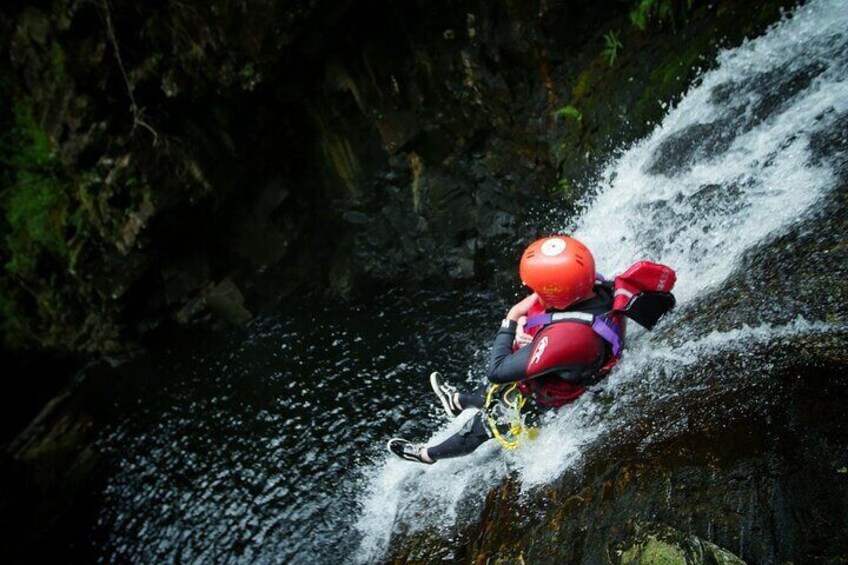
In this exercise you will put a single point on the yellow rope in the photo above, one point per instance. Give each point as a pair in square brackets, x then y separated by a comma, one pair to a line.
[516, 427]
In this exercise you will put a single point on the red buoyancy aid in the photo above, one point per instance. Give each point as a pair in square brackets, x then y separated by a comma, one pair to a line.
[643, 276]
[575, 342]
[558, 348]
[577, 348]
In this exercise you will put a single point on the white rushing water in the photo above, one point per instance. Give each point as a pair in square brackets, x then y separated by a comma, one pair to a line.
[728, 168]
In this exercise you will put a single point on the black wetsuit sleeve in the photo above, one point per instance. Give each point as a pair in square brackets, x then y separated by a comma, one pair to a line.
[504, 365]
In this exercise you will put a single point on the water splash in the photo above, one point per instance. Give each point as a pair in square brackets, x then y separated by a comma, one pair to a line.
[731, 165]
[728, 169]
[649, 373]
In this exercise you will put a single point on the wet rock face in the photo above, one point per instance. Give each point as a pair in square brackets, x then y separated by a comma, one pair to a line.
[433, 141]
[798, 274]
[658, 544]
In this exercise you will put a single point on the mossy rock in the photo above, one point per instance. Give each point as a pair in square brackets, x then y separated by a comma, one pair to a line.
[654, 552]
[658, 544]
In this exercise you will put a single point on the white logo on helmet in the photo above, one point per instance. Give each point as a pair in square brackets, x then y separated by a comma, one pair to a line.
[553, 247]
[539, 350]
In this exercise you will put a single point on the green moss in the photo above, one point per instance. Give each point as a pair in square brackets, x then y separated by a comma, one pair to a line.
[659, 12]
[35, 203]
[658, 552]
[582, 86]
[566, 190]
[570, 112]
[43, 232]
[654, 552]
[677, 67]
[669, 75]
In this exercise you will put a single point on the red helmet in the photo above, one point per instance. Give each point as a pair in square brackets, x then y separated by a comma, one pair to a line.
[560, 269]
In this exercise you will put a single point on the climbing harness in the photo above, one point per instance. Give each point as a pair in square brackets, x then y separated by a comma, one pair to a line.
[503, 406]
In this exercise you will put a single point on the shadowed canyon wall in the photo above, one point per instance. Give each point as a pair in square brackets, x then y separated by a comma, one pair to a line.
[189, 162]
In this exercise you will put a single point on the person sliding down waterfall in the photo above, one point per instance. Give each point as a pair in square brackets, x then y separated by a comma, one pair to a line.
[565, 336]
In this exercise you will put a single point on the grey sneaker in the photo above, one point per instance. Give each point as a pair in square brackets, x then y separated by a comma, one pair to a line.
[405, 450]
[446, 394]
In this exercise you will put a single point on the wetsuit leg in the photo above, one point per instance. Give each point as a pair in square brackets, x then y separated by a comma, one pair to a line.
[476, 399]
[472, 435]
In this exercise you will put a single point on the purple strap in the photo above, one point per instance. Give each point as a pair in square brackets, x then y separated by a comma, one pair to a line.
[547, 318]
[607, 330]
[609, 334]
[538, 320]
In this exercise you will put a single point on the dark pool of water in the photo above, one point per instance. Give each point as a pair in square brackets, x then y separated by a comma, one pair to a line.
[252, 445]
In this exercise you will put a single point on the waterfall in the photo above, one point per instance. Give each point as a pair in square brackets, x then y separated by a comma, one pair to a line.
[729, 169]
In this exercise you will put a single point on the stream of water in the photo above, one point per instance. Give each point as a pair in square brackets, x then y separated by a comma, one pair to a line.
[730, 167]
[267, 444]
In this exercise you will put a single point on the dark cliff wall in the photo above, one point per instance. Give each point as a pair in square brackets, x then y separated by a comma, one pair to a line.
[157, 152]
[191, 161]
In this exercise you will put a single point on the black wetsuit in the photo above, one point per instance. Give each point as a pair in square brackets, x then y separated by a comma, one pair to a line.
[473, 434]
[505, 366]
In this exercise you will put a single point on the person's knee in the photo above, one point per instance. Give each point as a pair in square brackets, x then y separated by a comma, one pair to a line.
[472, 435]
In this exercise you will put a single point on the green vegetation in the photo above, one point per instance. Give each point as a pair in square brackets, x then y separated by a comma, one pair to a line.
[659, 11]
[655, 552]
[613, 46]
[35, 210]
[565, 190]
[36, 213]
[35, 203]
[569, 112]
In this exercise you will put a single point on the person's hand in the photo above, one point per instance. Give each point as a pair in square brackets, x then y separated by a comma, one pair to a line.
[522, 308]
[522, 338]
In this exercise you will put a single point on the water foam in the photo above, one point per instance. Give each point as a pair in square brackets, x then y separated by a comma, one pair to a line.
[742, 187]
[729, 167]
[647, 374]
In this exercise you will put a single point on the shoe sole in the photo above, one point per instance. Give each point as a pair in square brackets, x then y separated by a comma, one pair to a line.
[392, 451]
[434, 377]
[403, 457]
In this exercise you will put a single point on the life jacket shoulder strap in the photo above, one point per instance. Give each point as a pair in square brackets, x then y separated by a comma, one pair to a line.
[548, 318]
[611, 330]
[606, 326]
